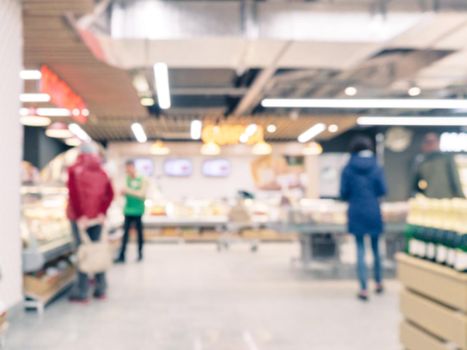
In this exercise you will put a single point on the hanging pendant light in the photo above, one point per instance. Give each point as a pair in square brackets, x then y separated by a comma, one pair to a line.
[58, 130]
[262, 148]
[35, 121]
[313, 149]
[158, 148]
[210, 149]
[73, 142]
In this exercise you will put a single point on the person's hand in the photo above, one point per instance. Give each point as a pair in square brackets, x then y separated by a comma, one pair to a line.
[83, 223]
[101, 218]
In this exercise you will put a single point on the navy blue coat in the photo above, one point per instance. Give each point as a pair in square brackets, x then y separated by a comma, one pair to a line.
[362, 185]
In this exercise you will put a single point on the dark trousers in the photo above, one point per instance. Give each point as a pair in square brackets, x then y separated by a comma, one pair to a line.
[81, 289]
[361, 264]
[129, 220]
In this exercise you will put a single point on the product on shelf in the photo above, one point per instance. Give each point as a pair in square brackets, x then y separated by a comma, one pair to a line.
[437, 231]
[328, 211]
[43, 216]
[50, 279]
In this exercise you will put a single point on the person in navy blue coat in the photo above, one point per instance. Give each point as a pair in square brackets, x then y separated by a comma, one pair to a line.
[362, 186]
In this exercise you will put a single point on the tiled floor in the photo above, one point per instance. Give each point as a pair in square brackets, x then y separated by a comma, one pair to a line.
[190, 297]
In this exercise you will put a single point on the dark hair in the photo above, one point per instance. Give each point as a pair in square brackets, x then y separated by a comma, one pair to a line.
[361, 143]
[130, 162]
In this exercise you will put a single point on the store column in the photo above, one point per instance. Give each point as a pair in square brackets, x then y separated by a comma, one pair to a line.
[312, 172]
[10, 151]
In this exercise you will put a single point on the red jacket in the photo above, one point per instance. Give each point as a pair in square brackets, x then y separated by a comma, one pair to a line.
[89, 189]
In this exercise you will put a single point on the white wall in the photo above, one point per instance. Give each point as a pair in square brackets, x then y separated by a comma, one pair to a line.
[196, 186]
[199, 186]
[10, 151]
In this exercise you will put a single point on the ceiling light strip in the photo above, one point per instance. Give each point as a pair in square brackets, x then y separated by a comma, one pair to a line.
[34, 97]
[365, 103]
[312, 132]
[411, 121]
[53, 112]
[161, 77]
[196, 129]
[30, 74]
[139, 133]
[79, 132]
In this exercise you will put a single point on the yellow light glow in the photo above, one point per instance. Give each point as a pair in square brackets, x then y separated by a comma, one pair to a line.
[313, 149]
[210, 149]
[159, 149]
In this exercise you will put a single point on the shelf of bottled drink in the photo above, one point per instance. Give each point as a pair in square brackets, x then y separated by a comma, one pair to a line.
[436, 231]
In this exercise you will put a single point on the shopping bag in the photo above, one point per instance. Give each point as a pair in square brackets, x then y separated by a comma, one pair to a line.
[94, 256]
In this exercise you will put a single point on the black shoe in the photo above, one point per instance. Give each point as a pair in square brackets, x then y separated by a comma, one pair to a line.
[140, 258]
[362, 295]
[379, 289]
[119, 261]
[78, 299]
[99, 296]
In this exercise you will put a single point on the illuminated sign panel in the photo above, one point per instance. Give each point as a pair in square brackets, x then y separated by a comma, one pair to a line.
[62, 95]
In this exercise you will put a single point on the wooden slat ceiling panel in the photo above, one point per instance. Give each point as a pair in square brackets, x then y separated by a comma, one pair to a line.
[50, 40]
[108, 91]
[57, 7]
[165, 128]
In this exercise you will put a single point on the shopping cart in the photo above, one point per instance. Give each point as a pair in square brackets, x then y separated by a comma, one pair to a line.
[239, 220]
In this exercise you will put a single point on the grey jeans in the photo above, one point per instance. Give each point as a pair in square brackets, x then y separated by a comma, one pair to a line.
[81, 289]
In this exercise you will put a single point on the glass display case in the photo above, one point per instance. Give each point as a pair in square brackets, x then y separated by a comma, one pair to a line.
[45, 230]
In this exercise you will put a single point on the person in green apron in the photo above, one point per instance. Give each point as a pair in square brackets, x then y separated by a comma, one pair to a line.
[135, 196]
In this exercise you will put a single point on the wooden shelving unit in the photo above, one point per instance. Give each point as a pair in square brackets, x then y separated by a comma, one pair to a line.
[434, 305]
[38, 301]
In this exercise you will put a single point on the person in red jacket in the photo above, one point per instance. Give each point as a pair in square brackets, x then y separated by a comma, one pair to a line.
[90, 195]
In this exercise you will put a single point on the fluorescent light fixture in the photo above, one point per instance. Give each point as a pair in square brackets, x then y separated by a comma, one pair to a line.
[407, 103]
[147, 101]
[34, 97]
[333, 128]
[244, 138]
[161, 77]
[35, 121]
[271, 128]
[196, 129]
[414, 91]
[141, 84]
[30, 74]
[53, 112]
[351, 91]
[73, 142]
[453, 142]
[312, 132]
[26, 111]
[139, 133]
[79, 132]
[412, 121]
[251, 130]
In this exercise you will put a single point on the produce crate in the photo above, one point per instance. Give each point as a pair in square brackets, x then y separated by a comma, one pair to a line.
[434, 305]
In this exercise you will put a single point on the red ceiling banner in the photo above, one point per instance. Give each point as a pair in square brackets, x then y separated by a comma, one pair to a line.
[62, 95]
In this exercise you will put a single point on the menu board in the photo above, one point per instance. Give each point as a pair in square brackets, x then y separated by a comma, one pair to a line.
[144, 166]
[216, 168]
[178, 167]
